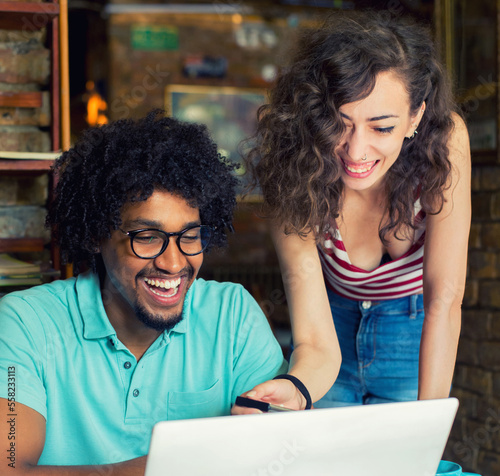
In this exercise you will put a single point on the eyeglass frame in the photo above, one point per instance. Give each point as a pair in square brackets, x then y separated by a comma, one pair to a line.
[132, 234]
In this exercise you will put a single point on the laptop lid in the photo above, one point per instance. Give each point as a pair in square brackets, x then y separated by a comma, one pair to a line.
[391, 439]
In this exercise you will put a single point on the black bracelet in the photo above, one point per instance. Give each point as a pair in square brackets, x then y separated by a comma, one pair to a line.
[300, 387]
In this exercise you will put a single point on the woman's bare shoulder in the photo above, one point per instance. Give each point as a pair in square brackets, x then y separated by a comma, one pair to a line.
[458, 142]
[459, 127]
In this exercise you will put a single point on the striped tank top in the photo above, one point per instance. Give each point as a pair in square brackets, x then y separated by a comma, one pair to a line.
[395, 279]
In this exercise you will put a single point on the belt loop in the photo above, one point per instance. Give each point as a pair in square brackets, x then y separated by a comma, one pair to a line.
[413, 306]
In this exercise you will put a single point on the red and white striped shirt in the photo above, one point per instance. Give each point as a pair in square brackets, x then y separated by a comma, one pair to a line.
[395, 279]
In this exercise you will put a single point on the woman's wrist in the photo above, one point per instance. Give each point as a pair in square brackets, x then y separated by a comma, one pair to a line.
[302, 389]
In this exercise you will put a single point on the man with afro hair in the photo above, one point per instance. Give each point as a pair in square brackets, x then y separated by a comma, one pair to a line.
[135, 339]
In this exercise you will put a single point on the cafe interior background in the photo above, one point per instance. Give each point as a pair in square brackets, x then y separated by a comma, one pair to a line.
[88, 62]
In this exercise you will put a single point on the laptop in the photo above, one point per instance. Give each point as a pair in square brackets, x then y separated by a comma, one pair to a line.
[390, 439]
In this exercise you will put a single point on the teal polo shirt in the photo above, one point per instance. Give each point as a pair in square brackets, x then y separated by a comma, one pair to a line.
[100, 404]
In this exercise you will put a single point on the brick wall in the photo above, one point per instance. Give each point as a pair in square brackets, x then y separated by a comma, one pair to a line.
[24, 67]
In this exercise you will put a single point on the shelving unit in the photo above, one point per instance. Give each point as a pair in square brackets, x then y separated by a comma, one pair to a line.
[18, 13]
[31, 16]
[20, 245]
[33, 99]
[34, 166]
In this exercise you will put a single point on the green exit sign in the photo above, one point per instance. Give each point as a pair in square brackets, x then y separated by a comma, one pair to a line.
[155, 37]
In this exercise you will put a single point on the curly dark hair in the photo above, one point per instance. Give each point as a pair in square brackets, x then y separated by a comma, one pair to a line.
[125, 161]
[294, 158]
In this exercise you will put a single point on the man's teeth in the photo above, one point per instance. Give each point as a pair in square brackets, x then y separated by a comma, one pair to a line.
[163, 283]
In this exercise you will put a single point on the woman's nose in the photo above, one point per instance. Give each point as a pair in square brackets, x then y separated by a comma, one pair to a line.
[355, 144]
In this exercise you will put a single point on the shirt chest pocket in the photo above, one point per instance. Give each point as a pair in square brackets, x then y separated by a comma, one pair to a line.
[205, 403]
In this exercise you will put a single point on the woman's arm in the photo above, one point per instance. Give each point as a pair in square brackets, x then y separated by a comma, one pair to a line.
[445, 262]
[316, 357]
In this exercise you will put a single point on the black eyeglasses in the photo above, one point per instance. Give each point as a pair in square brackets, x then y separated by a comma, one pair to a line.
[148, 243]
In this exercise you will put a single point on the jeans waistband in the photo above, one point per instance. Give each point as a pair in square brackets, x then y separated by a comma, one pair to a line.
[411, 303]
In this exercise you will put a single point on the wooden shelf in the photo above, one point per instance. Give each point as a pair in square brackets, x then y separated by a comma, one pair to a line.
[29, 99]
[20, 245]
[25, 165]
[27, 15]
[50, 8]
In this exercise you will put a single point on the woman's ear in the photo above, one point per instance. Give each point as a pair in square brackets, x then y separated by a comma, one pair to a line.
[420, 113]
[415, 121]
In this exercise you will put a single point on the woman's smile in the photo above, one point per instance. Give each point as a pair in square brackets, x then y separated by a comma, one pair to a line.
[359, 169]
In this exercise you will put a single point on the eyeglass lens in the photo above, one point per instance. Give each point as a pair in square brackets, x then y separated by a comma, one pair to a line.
[149, 243]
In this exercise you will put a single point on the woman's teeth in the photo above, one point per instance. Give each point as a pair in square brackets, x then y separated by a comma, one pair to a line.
[360, 170]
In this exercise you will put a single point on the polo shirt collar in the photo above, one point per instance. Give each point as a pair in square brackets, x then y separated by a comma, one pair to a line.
[95, 320]
[96, 324]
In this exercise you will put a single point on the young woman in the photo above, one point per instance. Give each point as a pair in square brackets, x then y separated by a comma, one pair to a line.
[364, 167]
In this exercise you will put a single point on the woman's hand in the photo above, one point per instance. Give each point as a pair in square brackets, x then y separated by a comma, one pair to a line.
[278, 392]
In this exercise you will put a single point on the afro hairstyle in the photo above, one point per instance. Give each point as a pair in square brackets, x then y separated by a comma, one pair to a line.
[125, 161]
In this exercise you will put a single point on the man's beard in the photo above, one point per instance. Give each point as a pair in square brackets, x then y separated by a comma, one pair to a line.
[156, 321]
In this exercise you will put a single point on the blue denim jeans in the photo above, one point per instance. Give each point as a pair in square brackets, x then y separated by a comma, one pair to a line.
[380, 342]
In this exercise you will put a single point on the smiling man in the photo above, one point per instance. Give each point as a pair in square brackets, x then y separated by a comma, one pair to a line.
[98, 359]
[148, 293]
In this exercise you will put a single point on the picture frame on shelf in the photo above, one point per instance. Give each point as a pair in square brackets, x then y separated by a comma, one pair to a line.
[230, 113]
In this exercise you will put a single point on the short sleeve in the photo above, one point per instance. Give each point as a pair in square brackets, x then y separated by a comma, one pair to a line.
[22, 344]
[257, 355]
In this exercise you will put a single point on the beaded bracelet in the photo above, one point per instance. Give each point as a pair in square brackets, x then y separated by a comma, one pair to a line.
[300, 387]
